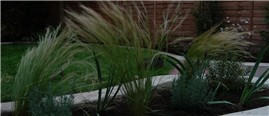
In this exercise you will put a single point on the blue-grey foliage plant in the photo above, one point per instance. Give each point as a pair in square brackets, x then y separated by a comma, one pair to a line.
[191, 90]
[44, 103]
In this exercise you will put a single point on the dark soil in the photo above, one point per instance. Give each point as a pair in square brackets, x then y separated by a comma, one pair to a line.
[161, 106]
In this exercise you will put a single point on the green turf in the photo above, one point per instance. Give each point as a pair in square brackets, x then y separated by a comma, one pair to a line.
[11, 55]
[10, 58]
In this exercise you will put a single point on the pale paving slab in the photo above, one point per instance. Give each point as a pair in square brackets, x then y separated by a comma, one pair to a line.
[266, 84]
[262, 67]
[262, 111]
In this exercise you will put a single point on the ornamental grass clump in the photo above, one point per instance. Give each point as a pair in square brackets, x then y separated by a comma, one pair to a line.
[48, 62]
[122, 39]
[104, 103]
[215, 43]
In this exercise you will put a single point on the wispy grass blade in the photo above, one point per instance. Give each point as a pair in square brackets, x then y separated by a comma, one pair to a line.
[124, 40]
[48, 62]
[214, 43]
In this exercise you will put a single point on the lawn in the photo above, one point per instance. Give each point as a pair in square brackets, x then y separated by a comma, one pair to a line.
[10, 58]
[11, 55]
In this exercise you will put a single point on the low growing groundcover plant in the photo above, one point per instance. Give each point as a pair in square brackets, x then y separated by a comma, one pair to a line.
[229, 70]
[44, 103]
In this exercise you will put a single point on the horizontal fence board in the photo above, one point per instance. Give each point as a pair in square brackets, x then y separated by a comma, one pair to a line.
[234, 5]
[244, 13]
[260, 4]
[259, 13]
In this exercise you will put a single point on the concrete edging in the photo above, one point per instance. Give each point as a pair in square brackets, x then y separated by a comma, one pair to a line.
[262, 111]
[92, 96]
[80, 98]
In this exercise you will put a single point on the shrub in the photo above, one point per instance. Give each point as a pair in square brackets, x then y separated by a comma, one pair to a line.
[191, 90]
[190, 94]
[229, 71]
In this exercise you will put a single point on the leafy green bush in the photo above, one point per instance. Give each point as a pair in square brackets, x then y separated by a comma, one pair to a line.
[229, 71]
[44, 103]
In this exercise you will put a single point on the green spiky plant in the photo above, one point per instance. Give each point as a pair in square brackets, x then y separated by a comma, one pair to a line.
[104, 103]
[46, 63]
[250, 89]
[122, 40]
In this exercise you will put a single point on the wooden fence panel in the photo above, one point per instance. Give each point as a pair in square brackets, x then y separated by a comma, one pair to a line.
[250, 15]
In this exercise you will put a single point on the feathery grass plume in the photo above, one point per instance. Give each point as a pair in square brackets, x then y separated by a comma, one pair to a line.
[121, 28]
[214, 43]
[46, 63]
[124, 40]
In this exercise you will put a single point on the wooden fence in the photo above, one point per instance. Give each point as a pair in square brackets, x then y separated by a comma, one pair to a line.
[250, 15]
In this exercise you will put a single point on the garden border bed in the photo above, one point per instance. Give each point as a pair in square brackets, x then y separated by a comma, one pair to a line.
[92, 96]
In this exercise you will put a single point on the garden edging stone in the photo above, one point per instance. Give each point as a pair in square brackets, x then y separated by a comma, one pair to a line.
[80, 98]
[85, 97]
[262, 111]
